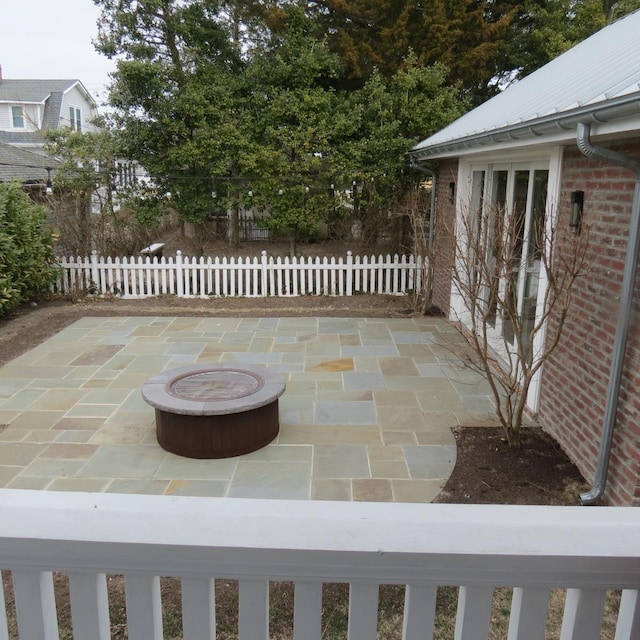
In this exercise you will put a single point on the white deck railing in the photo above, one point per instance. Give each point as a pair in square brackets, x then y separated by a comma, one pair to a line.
[476, 548]
[139, 277]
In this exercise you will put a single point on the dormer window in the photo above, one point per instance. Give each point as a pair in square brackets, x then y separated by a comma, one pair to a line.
[17, 117]
[75, 118]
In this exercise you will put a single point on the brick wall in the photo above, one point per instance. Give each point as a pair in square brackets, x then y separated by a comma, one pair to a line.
[444, 238]
[575, 380]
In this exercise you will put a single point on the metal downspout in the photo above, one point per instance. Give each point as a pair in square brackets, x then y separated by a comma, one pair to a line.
[624, 314]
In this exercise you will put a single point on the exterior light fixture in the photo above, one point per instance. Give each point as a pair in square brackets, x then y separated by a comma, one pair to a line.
[577, 208]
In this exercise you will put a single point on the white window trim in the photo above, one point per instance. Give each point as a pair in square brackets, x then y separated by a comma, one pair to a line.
[23, 115]
[77, 118]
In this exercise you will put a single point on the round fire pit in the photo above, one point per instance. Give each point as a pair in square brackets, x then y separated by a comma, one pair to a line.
[215, 411]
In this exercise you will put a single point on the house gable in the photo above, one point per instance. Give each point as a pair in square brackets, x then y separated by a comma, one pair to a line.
[45, 104]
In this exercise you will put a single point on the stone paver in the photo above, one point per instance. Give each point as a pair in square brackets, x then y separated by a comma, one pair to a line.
[367, 413]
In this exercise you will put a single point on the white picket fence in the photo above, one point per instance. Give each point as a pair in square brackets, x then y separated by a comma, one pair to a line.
[141, 277]
[584, 551]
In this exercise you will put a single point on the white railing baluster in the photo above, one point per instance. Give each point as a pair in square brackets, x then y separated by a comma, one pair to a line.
[89, 606]
[198, 609]
[528, 614]
[35, 605]
[363, 611]
[473, 616]
[419, 612]
[628, 627]
[307, 611]
[582, 614]
[316, 542]
[253, 610]
[144, 607]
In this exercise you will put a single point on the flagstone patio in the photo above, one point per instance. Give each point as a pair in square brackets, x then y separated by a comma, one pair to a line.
[366, 415]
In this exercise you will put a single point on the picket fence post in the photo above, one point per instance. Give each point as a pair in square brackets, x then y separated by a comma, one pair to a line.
[179, 275]
[263, 275]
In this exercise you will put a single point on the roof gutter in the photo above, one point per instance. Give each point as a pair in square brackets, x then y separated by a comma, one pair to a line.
[613, 109]
[624, 314]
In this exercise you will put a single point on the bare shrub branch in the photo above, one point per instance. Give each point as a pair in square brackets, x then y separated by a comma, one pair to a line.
[517, 291]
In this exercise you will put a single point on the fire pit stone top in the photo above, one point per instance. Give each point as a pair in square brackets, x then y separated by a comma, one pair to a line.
[213, 389]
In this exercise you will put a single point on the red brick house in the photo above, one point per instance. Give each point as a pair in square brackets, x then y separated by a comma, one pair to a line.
[570, 132]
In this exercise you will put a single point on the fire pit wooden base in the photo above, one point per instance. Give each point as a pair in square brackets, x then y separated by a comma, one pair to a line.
[215, 411]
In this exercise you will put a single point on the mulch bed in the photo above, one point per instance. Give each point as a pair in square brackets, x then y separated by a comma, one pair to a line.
[489, 471]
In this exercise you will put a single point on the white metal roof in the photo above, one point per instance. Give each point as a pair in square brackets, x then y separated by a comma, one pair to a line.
[600, 71]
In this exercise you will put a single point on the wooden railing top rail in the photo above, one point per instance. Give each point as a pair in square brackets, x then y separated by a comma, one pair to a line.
[285, 540]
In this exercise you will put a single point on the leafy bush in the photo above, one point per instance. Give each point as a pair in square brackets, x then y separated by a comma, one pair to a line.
[26, 254]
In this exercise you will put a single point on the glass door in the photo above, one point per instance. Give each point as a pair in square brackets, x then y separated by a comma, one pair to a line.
[513, 218]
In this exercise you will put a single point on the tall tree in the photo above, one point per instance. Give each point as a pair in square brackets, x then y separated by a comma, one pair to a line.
[545, 29]
[176, 94]
[464, 35]
[391, 115]
[299, 119]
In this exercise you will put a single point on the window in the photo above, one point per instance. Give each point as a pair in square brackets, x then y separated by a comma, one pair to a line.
[17, 117]
[75, 118]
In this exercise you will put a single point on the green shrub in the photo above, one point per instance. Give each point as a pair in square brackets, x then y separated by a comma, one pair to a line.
[26, 254]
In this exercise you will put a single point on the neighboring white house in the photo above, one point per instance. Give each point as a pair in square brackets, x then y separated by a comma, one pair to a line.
[30, 107]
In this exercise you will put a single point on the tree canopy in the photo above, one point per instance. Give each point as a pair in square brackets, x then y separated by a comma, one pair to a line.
[308, 107]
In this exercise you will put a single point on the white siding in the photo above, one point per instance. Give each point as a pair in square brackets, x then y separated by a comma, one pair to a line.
[31, 113]
[75, 98]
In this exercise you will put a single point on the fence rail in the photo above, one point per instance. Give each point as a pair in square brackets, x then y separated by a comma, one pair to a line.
[140, 277]
[476, 548]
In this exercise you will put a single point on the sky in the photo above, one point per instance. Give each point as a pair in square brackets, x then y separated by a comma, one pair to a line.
[51, 39]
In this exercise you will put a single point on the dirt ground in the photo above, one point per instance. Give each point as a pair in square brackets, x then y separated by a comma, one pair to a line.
[487, 469]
